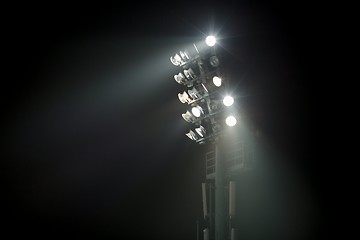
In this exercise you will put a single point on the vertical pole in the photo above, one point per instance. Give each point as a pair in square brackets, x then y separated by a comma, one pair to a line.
[219, 193]
[232, 205]
[206, 234]
[197, 230]
[211, 216]
[232, 199]
[204, 197]
[233, 234]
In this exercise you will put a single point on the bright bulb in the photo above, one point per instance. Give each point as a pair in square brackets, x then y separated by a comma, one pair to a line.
[230, 121]
[196, 111]
[217, 81]
[210, 41]
[228, 101]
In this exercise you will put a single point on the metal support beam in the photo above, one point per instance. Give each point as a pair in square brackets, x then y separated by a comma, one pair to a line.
[219, 193]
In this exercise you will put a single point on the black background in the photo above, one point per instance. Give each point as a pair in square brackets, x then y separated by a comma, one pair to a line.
[93, 138]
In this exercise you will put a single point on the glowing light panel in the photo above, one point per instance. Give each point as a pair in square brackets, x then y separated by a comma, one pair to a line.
[217, 81]
[196, 111]
[228, 101]
[210, 41]
[230, 121]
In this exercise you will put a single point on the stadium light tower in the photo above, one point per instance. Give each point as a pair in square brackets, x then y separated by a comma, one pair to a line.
[200, 74]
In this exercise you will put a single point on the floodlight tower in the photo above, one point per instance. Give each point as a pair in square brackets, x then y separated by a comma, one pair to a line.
[200, 73]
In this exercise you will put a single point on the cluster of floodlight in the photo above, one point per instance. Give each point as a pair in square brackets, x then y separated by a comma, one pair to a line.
[198, 135]
[185, 77]
[195, 73]
[192, 116]
[192, 95]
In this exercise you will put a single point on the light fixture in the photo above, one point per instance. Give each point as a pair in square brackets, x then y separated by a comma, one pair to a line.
[179, 78]
[214, 61]
[184, 56]
[184, 97]
[194, 93]
[228, 101]
[188, 116]
[197, 111]
[230, 121]
[201, 131]
[210, 41]
[189, 73]
[192, 135]
[176, 60]
[217, 81]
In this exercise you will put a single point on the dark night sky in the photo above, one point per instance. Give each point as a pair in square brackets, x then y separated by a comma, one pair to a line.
[93, 135]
